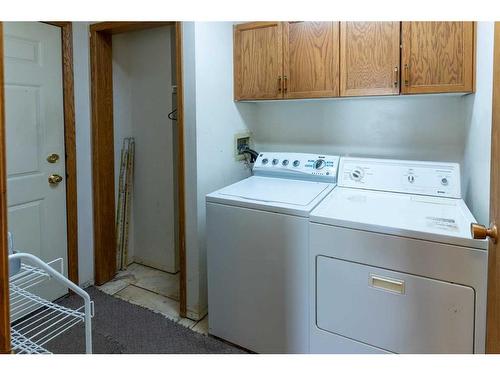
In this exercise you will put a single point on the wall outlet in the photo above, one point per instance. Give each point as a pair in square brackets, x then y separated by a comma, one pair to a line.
[241, 140]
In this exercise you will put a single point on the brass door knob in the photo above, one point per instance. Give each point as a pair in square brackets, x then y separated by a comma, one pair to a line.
[55, 179]
[53, 158]
[481, 232]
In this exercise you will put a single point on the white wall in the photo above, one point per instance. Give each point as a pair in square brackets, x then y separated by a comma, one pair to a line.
[142, 89]
[429, 127]
[476, 160]
[122, 115]
[217, 119]
[190, 183]
[81, 69]
[122, 98]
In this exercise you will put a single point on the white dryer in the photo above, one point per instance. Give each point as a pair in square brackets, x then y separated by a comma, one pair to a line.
[257, 252]
[393, 266]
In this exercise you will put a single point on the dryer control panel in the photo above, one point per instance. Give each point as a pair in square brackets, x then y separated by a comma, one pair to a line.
[401, 176]
[312, 167]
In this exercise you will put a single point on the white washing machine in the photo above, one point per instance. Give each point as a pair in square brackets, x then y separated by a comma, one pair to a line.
[257, 252]
[393, 266]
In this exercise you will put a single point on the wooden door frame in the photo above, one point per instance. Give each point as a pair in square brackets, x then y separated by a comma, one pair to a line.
[69, 147]
[103, 148]
[71, 190]
[493, 304]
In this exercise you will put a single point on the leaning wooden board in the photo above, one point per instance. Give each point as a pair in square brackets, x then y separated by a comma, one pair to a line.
[128, 200]
[119, 208]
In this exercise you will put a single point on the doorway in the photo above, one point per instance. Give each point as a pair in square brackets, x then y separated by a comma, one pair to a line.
[130, 97]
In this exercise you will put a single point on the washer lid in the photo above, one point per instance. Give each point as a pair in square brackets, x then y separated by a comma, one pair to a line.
[275, 190]
[433, 218]
[281, 195]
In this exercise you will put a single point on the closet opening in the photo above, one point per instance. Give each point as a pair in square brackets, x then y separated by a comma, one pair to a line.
[137, 162]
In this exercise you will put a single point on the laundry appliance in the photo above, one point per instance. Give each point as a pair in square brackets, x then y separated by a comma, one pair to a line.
[257, 251]
[393, 267]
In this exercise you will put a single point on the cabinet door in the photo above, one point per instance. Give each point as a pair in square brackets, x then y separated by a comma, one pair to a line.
[311, 59]
[438, 57]
[258, 61]
[369, 61]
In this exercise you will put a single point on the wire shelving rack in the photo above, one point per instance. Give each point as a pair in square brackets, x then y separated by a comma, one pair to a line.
[36, 321]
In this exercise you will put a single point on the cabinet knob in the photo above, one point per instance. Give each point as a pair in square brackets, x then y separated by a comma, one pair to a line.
[279, 83]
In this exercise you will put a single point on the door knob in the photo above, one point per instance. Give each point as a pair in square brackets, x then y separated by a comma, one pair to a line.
[55, 179]
[480, 232]
[53, 158]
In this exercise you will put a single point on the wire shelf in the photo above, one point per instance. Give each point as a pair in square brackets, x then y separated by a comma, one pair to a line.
[36, 321]
[22, 345]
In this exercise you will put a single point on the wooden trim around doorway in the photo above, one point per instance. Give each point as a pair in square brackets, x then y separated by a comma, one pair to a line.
[493, 304]
[103, 149]
[70, 147]
[123, 27]
[103, 176]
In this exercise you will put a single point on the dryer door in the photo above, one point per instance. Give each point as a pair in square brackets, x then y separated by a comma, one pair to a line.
[394, 311]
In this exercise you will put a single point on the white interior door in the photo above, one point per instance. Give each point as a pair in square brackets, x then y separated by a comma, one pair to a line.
[35, 130]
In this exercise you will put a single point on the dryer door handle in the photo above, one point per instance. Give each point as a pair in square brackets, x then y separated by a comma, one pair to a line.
[387, 284]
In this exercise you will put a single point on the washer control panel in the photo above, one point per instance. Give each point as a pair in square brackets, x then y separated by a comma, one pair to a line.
[297, 165]
[402, 176]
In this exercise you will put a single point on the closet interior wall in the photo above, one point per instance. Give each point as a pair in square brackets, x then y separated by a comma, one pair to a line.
[143, 96]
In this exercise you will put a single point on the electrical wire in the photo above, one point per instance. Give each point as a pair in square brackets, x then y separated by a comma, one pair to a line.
[247, 150]
[173, 115]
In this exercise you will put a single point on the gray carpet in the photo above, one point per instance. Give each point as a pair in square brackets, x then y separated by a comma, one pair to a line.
[121, 327]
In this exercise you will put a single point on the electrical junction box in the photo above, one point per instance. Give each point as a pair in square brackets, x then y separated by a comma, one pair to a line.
[241, 140]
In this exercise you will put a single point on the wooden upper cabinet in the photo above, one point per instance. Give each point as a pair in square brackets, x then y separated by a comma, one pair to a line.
[437, 57]
[310, 59]
[369, 58]
[285, 60]
[258, 65]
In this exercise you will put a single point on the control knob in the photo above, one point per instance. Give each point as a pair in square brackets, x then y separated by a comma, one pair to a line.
[319, 164]
[357, 174]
